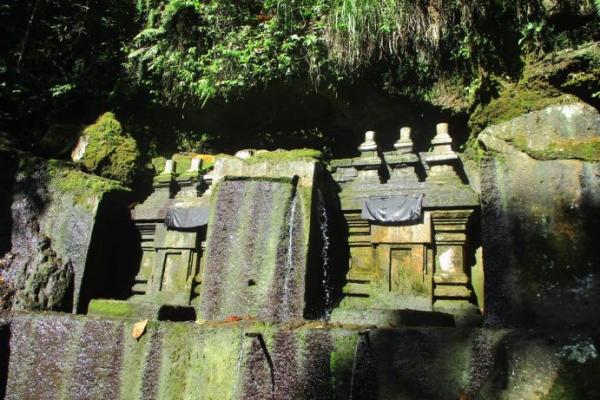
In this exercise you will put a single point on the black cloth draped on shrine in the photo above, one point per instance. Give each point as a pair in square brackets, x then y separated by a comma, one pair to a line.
[187, 218]
[404, 208]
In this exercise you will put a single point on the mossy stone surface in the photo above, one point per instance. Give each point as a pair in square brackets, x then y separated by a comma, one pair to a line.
[86, 189]
[558, 78]
[106, 150]
[568, 131]
[53, 201]
[122, 309]
[284, 155]
[291, 361]
[515, 100]
[540, 196]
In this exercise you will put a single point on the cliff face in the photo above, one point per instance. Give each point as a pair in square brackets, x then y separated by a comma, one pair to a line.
[540, 199]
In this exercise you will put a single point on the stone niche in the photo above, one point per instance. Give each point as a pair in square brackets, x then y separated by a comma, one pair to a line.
[168, 278]
[399, 269]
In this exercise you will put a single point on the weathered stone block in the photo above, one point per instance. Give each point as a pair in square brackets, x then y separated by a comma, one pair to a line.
[78, 357]
[418, 233]
[55, 204]
[541, 217]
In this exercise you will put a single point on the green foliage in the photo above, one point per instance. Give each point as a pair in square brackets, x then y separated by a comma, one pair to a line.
[195, 50]
[58, 60]
[532, 37]
[157, 62]
[191, 51]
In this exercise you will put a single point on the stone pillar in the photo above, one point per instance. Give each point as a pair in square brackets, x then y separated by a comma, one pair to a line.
[442, 142]
[342, 170]
[164, 183]
[195, 165]
[368, 164]
[190, 182]
[450, 278]
[369, 147]
[440, 163]
[147, 230]
[169, 167]
[147, 218]
[212, 176]
[404, 145]
[403, 161]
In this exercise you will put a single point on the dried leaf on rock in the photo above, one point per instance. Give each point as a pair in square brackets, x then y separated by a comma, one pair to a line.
[139, 329]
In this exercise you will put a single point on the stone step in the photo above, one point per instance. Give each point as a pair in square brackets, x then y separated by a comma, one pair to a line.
[452, 279]
[357, 288]
[454, 291]
[140, 287]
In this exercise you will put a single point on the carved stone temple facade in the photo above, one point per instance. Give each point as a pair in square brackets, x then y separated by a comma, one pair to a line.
[408, 265]
[242, 239]
[225, 243]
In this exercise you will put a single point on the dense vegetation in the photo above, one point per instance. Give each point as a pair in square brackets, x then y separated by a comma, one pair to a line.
[166, 66]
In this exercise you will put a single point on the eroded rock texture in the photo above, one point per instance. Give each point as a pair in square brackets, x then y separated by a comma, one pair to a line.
[50, 212]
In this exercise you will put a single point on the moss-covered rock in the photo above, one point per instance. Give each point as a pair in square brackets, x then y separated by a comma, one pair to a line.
[70, 355]
[568, 131]
[105, 150]
[44, 281]
[559, 78]
[515, 100]
[51, 212]
[285, 155]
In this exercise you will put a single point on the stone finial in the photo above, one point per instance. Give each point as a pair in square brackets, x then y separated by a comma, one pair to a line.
[404, 144]
[442, 142]
[244, 154]
[169, 167]
[195, 165]
[369, 143]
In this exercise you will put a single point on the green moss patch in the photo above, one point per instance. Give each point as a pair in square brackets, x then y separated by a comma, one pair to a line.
[285, 155]
[121, 309]
[80, 185]
[516, 100]
[582, 149]
[544, 82]
[109, 152]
